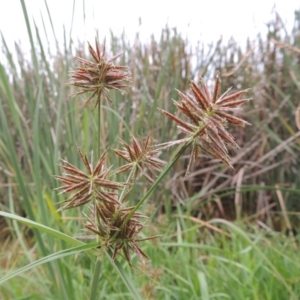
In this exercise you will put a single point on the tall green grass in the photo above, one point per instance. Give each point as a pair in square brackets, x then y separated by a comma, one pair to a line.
[192, 260]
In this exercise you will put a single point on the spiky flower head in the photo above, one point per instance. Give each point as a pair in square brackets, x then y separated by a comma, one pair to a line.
[87, 185]
[99, 76]
[207, 120]
[110, 224]
[141, 156]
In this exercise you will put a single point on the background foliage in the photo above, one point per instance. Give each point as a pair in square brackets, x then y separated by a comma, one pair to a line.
[225, 234]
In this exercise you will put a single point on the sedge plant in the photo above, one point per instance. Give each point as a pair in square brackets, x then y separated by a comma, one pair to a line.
[203, 118]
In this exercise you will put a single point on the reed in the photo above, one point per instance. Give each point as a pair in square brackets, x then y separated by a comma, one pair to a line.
[151, 162]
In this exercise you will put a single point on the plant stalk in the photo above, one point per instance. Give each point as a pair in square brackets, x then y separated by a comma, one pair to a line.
[98, 265]
[99, 128]
[160, 178]
[129, 178]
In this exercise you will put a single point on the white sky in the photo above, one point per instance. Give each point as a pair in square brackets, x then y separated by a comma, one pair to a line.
[204, 20]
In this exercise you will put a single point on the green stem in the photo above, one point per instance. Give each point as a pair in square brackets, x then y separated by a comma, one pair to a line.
[127, 183]
[159, 178]
[99, 129]
[96, 279]
[98, 265]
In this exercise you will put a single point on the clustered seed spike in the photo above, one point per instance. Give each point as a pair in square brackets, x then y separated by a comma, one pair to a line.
[100, 76]
[108, 216]
[140, 156]
[111, 221]
[115, 225]
[87, 185]
[114, 230]
[207, 119]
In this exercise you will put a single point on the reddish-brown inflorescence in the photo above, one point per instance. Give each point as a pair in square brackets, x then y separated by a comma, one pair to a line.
[87, 185]
[207, 119]
[116, 226]
[100, 76]
[141, 156]
[114, 231]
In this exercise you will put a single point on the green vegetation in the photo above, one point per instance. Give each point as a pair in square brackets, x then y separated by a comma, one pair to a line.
[225, 234]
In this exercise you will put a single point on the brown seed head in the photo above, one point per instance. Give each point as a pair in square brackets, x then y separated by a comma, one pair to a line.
[99, 76]
[114, 231]
[206, 120]
[142, 156]
[87, 185]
